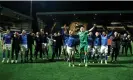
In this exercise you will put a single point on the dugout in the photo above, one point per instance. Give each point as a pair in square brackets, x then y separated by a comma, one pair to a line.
[15, 21]
[104, 20]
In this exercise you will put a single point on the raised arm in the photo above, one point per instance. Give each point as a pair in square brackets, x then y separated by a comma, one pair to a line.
[126, 30]
[12, 38]
[131, 39]
[92, 28]
[48, 37]
[110, 34]
[2, 41]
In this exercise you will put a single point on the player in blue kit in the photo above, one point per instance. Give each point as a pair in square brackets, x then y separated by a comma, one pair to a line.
[104, 46]
[24, 48]
[71, 48]
[90, 44]
[6, 44]
[65, 38]
[97, 46]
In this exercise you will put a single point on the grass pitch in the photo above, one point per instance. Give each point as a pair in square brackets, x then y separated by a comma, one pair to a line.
[44, 70]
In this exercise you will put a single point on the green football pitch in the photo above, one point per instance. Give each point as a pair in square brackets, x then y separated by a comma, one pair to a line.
[59, 70]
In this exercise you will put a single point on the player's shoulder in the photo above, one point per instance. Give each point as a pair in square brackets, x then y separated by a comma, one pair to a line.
[4, 34]
[86, 31]
[79, 33]
[20, 35]
[27, 33]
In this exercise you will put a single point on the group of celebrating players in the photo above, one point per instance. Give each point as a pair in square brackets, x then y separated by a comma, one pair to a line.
[90, 46]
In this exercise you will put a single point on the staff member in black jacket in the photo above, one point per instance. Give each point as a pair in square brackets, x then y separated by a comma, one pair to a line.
[115, 46]
[41, 33]
[124, 43]
[129, 46]
[119, 43]
[44, 44]
[30, 39]
[59, 44]
[15, 47]
[38, 45]
[54, 44]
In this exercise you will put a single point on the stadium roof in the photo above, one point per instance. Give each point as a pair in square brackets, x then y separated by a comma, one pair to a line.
[99, 17]
[83, 12]
[13, 14]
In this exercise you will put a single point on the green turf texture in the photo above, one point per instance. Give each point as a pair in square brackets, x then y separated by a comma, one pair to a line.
[60, 71]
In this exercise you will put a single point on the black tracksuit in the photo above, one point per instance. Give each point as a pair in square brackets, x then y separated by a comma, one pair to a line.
[59, 43]
[129, 46]
[115, 47]
[38, 47]
[15, 46]
[30, 40]
[124, 44]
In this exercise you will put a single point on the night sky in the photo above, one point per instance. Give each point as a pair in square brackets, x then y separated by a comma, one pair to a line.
[58, 6]
[55, 6]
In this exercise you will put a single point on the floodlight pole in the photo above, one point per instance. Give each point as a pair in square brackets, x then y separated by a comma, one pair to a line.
[0, 12]
[31, 12]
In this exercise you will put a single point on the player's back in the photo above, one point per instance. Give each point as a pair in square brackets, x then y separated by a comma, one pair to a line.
[71, 41]
[7, 38]
[24, 39]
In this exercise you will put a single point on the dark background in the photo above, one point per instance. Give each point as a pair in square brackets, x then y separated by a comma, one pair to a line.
[53, 6]
[56, 6]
